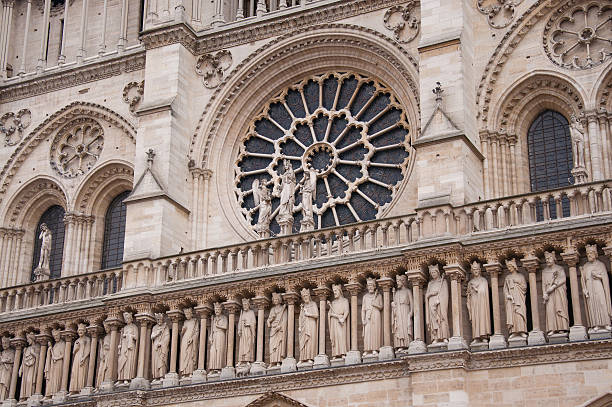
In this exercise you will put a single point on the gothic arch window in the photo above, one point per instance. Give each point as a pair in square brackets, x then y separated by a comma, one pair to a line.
[549, 147]
[114, 232]
[54, 219]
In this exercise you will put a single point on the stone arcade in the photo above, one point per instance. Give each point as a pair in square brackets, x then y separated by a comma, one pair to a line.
[305, 203]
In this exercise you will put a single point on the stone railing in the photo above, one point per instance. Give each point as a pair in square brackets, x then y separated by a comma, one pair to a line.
[64, 290]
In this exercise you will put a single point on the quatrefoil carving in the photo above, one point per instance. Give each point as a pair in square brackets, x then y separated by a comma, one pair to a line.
[403, 21]
[212, 67]
[12, 125]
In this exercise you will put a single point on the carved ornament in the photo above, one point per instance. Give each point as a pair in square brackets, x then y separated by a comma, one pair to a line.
[132, 94]
[404, 21]
[500, 13]
[77, 147]
[212, 67]
[12, 125]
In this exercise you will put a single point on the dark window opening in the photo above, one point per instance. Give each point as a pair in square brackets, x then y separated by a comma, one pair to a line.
[114, 232]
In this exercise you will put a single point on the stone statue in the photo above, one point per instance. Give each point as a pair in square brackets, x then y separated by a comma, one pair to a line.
[371, 318]
[263, 198]
[577, 134]
[478, 305]
[338, 321]
[596, 290]
[247, 325]
[277, 322]
[436, 305]
[160, 339]
[29, 366]
[7, 357]
[54, 362]
[308, 327]
[42, 271]
[287, 193]
[309, 192]
[515, 291]
[554, 295]
[402, 311]
[80, 360]
[189, 343]
[128, 350]
[217, 339]
[104, 362]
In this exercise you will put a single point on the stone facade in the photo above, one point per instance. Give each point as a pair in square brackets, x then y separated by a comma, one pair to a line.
[286, 159]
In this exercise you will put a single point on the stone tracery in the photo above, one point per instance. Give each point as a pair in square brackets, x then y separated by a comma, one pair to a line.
[77, 147]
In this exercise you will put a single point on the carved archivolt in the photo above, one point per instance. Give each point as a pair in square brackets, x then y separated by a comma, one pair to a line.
[212, 67]
[404, 21]
[12, 125]
[132, 94]
[500, 13]
[578, 37]
[76, 147]
[100, 181]
[347, 132]
[34, 192]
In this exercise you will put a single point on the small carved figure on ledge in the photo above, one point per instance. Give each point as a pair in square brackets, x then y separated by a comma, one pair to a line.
[436, 306]
[128, 350]
[104, 357]
[308, 327]
[402, 310]
[338, 322]
[247, 324]
[596, 290]
[217, 340]
[554, 295]
[478, 305]
[7, 358]
[371, 308]
[287, 198]
[577, 134]
[263, 198]
[277, 322]
[29, 367]
[80, 360]
[160, 339]
[42, 271]
[189, 343]
[515, 292]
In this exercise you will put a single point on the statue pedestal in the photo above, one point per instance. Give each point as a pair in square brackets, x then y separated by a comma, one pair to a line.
[288, 365]
[286, 226]
[59, 397]
[86, 391]
[213, 375]
[9, 403]
[41, 274]
[497, 342]
[599, 334]
[228, 372]
[337, 361]
[417, 347]
[369, 357]
[257, 369]
[35, 400]
[578, 333]
[307, 225]
[198, 376]
[479, 345]
[536, 338]
[140, 383]
[517, 341]
[304, 365]
[437, 346]
[106, 387]
[386, 353]
[580, 175]
[353, 357]
[560, 337]
[320, 361]
[170, 380]
[457, 343]
[273, 369]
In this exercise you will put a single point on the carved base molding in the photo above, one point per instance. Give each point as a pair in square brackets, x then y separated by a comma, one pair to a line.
[393, 369]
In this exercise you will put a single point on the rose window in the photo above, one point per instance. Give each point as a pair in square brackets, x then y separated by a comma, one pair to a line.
[329, 150]
[77, 147]
[580, 38]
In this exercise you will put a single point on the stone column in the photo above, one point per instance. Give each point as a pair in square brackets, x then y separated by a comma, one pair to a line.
[259, 367]
[417, 279]
[456, 273]
[386, 351]
[202, 311]
[536, 335]
[172, 377]
[145, 319]
[43, 339]
[498, 340]
[18, 343]
[353, 356]
[69, 335]
[595, 147]
[114, 323]
[578, 332]
[322, 360]
[42, 60]
[232, 306]
[94, 331]
[289, 363]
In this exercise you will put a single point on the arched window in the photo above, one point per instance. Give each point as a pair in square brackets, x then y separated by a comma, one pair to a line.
[54, 219]
[114, 232]
[550, 154]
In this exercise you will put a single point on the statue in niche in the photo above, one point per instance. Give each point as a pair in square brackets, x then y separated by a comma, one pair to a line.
[596, 290]
[287, 194]
[554, 295]
[263, 198]
[42, 271]
[308, 184]
[7, 358]
[402, 310]
[277, 322]
[189, 343]
[247, 324]
[104, 362]
[80, 360]
[478, 305]
[29, 366]
[308, 324]
[54, 362]
[577, 134]
[128, 350]
[436, 305]
[515, 292]
[371, 309]
[217, 339]
[338, 322]
[160, 339]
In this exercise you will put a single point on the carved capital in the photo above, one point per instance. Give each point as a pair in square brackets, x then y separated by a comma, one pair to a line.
[44, 336]
[291, 297]
[322, 293]
[417, 277]
[531, 263]
[570, 258]
[260, 302]
[354, 288]
[232, 306]
[492, 268]
[95, 330]
[386, 283]
[455, 272]
[19, 342]
[69, 334]
[203, 310]
[145, 318]
[175, 315]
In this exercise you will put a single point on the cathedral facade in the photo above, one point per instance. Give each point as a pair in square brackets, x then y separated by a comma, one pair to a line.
[305, 203]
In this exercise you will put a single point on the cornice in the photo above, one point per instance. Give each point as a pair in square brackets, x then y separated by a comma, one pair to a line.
[233, 34]
[74, 76]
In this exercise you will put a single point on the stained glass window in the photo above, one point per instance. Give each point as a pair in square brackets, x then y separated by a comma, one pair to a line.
[114, 232]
